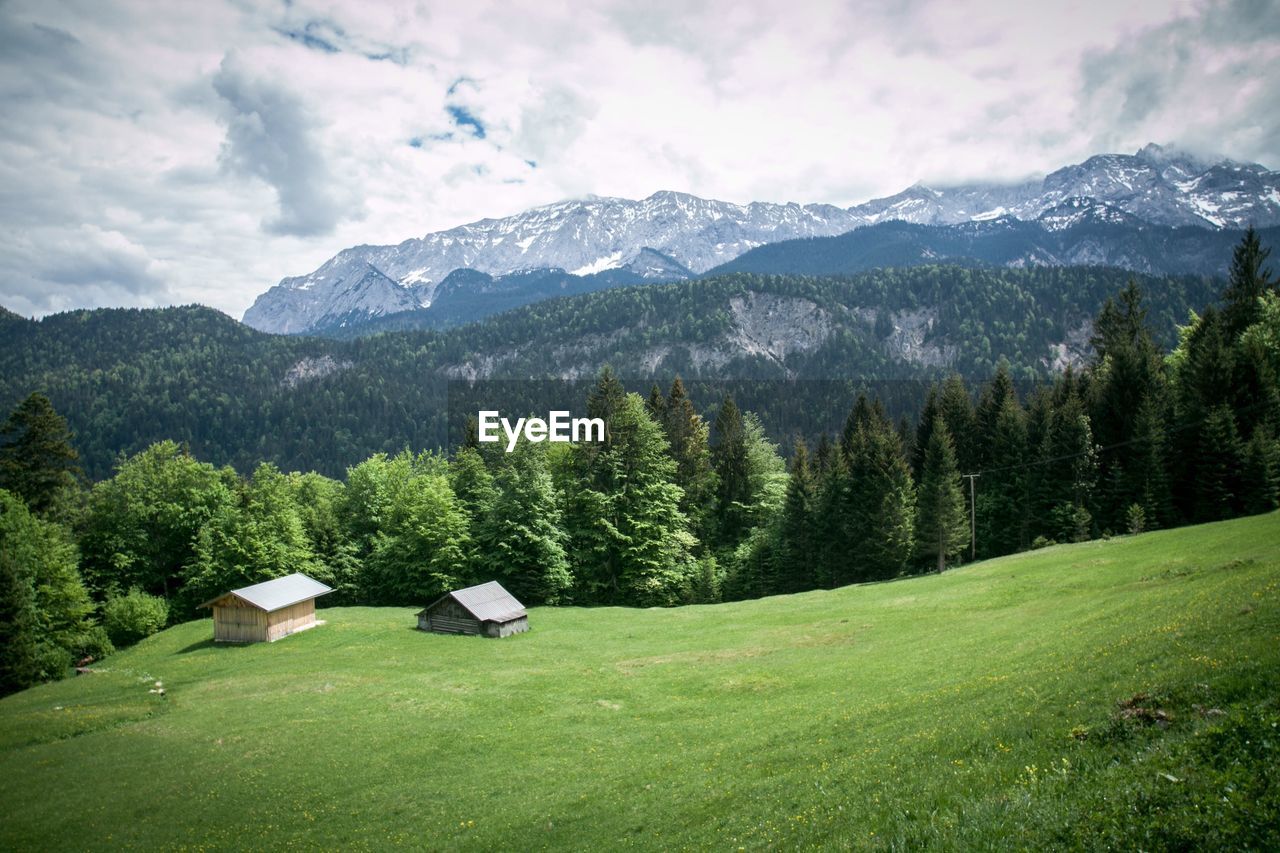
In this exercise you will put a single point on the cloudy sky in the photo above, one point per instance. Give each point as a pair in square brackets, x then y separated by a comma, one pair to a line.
[165, 153]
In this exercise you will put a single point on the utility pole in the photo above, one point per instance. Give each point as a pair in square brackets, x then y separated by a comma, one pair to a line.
[973, 518]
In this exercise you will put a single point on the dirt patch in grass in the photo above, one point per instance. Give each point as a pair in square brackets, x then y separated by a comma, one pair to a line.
[1144, 710]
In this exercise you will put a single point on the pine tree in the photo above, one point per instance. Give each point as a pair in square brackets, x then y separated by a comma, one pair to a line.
[766, 473]
[1248, 279]
[629, 542]
[521, 540]
[687, 436]
[1148, 466]
[471, 433]
[752, 566]
[892, 515]
[1039, 416]
[37, 460]
[851, 499]
[906, 439]
[1260, 343]
[1204, 368]
[1003, 497]
[879, 498]
[707, 581]
[956, 407]
[942, 530]
[797, 547]
[733, 476]
[473, 485]
[856, 426]
[823, 456]
[318, 500]
[833, 559]
[605, 399]
[1127, 380]
[1261, 475]
[924, 428]
[1120, 323]
[997, 392]
[1256, 393]
[1067, 472]
[1217, 467]
[656, 403]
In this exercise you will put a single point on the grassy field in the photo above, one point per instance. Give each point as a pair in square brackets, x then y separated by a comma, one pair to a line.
[1123, 692]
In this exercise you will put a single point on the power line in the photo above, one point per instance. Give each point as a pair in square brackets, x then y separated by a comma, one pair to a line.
[973, 524]
[973, 518]
[1118, 444]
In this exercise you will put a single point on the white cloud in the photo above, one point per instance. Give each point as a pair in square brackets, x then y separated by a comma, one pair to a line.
[271, 135]
[52, 269]
[151, 155]
[1208, 81]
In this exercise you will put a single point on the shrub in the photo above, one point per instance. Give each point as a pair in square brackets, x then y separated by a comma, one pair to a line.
[133, 617]
[90, 644]
[1072, 522]
[705, 585]
[1136, 518]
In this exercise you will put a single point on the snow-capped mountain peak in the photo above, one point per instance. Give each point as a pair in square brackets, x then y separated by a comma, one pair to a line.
[1080, 210]
[670, 231]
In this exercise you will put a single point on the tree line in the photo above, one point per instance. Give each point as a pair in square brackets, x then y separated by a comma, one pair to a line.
[671, 507]
[127, 378]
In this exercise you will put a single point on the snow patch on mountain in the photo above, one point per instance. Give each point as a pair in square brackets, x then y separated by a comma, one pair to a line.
[608, 262]
[671, 233]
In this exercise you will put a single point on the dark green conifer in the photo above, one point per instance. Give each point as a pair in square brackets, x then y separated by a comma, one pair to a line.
[942, 529]
[37, 460]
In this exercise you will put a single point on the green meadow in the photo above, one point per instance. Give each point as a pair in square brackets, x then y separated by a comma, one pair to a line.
[1122, 692]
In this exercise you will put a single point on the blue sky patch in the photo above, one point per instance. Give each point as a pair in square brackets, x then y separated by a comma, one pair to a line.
[463, 117]
[309, 37]
[453, 87]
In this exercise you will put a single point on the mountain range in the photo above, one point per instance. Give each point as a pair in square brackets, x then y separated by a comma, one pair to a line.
[1112, 209]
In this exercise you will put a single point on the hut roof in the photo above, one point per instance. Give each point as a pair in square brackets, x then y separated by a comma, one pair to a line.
[274, 594]
[487, 602]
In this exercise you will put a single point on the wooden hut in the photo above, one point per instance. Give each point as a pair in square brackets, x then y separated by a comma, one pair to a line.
[267, 611]
[487, 610]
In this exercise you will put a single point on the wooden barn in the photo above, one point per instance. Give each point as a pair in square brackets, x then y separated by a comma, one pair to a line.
[487, 610]
[267, 611]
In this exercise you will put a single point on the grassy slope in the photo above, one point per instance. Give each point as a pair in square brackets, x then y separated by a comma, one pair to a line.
[934, 710]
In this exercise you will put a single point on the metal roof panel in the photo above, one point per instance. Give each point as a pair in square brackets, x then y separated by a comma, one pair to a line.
[487, 602]
[274, 594]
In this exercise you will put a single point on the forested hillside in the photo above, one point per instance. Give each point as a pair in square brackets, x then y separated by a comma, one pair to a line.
[127, 378]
